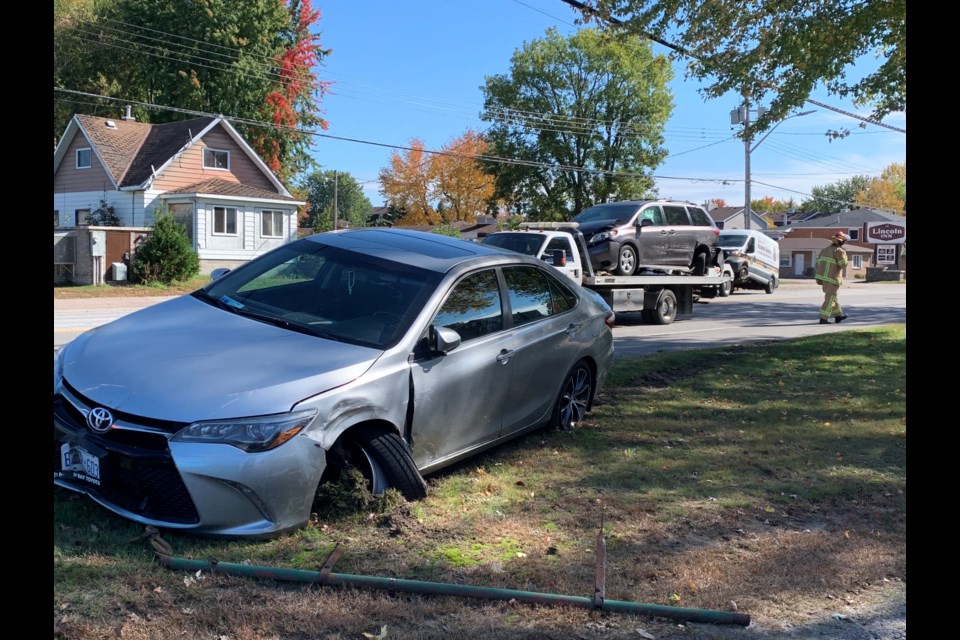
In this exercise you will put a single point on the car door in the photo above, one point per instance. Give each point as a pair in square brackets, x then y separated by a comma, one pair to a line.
[680, 236]
[458, 397]
[654, 238]
[546, 332]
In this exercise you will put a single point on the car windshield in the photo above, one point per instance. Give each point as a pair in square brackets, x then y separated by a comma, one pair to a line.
[527, 243]
[320, 290]
[732, 242]
[619, 211]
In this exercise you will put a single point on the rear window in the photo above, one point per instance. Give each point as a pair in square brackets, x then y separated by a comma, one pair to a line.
[527, 243]
[699, 217]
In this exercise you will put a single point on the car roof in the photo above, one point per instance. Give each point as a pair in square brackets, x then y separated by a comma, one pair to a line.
[429, 251]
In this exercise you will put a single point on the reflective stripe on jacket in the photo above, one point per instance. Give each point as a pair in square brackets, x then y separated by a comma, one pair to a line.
[830, 264]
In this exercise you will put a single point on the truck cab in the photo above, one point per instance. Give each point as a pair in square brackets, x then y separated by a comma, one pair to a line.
[555, 247]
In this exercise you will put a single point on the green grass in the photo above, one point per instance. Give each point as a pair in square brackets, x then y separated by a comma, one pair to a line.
[685, 454]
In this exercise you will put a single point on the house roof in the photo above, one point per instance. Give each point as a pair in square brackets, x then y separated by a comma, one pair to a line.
[221, 188]
[722, 214]
[132, 152]
[849, 219]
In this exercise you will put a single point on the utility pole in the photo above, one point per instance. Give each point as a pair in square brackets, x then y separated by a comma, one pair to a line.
[335, 181]
[742, 116]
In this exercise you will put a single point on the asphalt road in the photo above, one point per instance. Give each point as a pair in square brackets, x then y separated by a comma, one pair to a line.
[746, 316]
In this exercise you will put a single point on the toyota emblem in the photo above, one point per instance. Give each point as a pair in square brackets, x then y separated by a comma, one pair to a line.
[100, 420]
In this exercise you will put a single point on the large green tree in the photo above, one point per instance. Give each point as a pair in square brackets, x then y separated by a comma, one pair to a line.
[251, 61]
[324, 188]
[775, 51]
[835, 197]
[582, 118]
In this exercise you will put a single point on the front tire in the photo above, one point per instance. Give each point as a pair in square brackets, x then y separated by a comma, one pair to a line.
[575, 397]
[626, 261]
[700, 264]
[382, 457]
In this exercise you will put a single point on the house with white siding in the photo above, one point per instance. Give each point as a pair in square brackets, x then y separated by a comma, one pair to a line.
[202, 170]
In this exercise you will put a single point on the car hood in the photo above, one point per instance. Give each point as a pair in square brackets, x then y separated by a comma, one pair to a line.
[590, 228]
[185, 360]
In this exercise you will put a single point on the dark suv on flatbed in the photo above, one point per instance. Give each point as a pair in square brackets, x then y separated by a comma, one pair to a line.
[624, 237]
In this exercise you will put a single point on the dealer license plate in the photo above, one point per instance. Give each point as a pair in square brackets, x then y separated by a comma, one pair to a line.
[83, 464]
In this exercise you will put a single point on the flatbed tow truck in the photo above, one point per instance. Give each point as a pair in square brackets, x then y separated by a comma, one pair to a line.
[658, 293]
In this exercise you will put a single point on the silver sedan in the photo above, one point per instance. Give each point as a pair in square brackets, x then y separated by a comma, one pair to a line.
[391, 351]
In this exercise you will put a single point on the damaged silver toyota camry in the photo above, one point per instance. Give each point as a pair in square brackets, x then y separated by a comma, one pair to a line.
[391, 351]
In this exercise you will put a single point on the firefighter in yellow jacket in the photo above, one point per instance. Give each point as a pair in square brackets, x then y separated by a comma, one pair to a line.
[829, 273]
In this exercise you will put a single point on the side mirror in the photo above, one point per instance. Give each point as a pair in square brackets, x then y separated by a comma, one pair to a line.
[442, 339]
[646, 222]
[559, 258]
[218, 273]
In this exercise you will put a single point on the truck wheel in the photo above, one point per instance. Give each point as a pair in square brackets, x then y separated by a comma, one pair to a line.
[666, 309]
[726, 288]
[627, 261]
[771, 285]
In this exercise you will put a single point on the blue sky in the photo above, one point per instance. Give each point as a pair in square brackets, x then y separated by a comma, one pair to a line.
[404, 70]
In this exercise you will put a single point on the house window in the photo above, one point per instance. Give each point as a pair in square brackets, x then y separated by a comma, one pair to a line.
[225, 220]
[271, 223]
[786, 259]
[56, 219]
[216, 159]
[84, 158]
[857, 262]
[82, 218]
[854, 234]
[886, 254]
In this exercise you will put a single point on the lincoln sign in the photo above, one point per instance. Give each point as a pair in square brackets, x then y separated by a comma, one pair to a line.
[886, 233]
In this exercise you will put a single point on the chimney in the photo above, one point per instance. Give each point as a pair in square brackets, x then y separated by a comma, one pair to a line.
[128, 116]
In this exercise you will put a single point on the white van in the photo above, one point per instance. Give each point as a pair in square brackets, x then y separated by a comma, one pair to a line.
[754, 258]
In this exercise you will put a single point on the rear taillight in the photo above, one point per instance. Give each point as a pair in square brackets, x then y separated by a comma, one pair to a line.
[610, 319]
[716, 232]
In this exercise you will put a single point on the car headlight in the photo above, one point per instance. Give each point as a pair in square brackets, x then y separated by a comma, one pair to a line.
[261, 433]
[601, 237]
[57, 370]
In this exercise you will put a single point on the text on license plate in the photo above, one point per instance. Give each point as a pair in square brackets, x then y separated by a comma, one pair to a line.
[80, 462]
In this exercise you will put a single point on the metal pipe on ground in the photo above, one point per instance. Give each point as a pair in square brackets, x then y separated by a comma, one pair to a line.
[446, 589]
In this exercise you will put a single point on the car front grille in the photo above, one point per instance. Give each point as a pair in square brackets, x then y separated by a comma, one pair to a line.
[139, 475]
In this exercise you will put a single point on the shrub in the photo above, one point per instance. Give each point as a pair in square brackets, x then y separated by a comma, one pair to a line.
[104, 215]
[166, 255]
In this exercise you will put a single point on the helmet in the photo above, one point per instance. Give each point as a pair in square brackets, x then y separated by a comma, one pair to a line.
[840, 237]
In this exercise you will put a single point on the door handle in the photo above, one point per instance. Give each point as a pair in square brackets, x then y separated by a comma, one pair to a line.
[504, 356]
[572, 329]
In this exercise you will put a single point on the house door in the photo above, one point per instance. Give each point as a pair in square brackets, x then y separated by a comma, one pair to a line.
[798, 264]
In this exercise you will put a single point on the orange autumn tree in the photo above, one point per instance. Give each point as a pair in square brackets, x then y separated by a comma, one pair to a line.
[460, 185]
[405, 185]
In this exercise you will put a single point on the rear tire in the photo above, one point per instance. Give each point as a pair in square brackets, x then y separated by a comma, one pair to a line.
[575, 397]
[666, 309]
[726, 288]
[700, 264]
[383, 458]
[771, 285]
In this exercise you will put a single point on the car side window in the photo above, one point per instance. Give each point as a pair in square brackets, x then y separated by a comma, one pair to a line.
[556, 244]
[531, 298]
[676, 215]
[652, 213]
[699, 217]
[473, 307]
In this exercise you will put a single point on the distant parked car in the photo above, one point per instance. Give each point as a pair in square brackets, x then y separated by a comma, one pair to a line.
[624, 237]
[391, 351]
